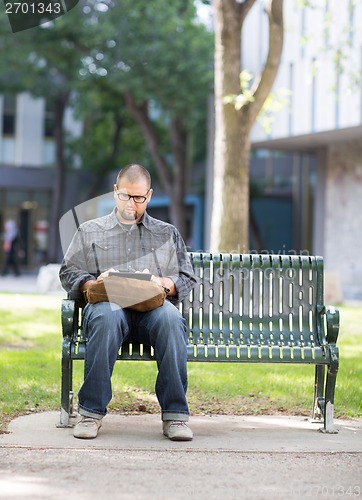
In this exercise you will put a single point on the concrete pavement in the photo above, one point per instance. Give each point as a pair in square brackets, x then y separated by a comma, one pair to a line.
[25, 283]
[231, 433]
[31, 282]
[231, 457]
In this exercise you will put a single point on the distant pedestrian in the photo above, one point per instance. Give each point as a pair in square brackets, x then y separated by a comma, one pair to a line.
[12, 248]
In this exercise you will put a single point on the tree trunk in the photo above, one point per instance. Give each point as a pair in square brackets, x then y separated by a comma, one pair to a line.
[59, 177]
[111, 160]
[231, 196]
[177, 206]
[230, 213]
[174, 183]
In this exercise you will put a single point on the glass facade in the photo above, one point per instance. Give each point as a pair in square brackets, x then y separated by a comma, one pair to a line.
[8, 128]
[30, 210]
[282, 190]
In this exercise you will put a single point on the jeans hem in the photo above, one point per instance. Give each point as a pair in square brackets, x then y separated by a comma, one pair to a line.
[170, 415]
[87, 413]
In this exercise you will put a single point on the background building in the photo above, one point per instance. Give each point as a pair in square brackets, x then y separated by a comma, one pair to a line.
[306, 162]
[313, 149]
[27, 155]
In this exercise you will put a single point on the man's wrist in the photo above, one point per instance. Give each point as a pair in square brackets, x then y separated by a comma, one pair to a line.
[86, 285]
[167, 284]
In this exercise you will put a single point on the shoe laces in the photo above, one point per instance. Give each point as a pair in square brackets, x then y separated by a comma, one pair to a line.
[178, 423]
[88, 420]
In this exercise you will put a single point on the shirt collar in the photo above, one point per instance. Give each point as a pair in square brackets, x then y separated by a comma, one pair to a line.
[146, 220]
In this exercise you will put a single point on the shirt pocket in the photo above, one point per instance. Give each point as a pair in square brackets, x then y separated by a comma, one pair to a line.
[162, 259]
[104, 255]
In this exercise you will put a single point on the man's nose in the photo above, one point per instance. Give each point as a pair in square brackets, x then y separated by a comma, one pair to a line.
[131, 201]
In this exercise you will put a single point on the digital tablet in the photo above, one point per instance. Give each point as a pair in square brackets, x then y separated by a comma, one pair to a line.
[137, 276]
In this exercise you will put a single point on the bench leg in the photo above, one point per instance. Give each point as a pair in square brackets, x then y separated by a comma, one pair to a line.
[329, 426]
[318, 403]
[66, 411]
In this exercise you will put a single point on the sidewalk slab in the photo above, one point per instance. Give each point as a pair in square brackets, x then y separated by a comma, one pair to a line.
[232, 433]
[26, 283]
[231, 457]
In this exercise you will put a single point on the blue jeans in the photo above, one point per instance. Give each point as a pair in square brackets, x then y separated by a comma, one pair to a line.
[106, 327]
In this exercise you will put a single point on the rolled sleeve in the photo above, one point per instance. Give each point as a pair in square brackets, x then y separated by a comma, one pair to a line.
[186, 279]
[74, 270]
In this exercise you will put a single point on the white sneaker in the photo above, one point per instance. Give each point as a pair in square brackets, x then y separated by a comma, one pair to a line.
[87, 428]
[177, 430]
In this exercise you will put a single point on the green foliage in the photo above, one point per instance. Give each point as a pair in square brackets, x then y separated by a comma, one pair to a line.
[42, 60]
[246, 96]
[30, 343]
[275, 102]
[337, 43]
[155, 51]
[109, 139]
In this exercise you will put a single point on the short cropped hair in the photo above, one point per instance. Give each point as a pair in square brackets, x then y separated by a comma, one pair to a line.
[132, 173]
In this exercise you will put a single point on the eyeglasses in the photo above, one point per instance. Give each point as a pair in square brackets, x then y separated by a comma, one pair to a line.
[136, 198]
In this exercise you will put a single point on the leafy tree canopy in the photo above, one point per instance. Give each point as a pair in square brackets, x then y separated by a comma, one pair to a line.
[155, 50]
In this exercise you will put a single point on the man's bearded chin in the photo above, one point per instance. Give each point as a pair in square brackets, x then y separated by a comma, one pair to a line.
[129, 215]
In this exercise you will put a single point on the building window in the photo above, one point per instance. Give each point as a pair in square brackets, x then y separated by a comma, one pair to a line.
[351, 22]
[303, 34]
[49, 119]
[49, 143]
[327, 24]
[9, 114]
[7, 149]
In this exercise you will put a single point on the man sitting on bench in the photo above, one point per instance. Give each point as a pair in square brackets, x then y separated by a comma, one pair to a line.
[129, 239]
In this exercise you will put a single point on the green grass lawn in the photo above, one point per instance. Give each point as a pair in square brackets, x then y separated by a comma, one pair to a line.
[30, 343]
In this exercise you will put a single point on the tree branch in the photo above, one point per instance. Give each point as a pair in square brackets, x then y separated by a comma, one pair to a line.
[178, 142]
[117, 133]
[263, 85]
[140, 114]
[244, 9]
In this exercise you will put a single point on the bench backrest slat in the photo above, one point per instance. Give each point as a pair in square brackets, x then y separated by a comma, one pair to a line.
[254, 299]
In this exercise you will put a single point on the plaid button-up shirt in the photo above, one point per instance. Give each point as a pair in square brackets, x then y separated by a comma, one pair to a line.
[104, 243]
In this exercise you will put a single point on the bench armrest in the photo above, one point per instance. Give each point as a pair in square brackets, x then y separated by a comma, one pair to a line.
[69, 317]
[332, 324]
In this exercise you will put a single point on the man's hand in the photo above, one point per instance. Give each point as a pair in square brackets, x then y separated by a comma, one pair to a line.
[86, 285]
[166, 283]
[105, 274]
[89, 283]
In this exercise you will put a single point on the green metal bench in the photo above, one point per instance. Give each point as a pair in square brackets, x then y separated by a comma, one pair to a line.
[245, 309]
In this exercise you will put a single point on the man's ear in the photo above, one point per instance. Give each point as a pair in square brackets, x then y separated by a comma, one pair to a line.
[150, 195]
